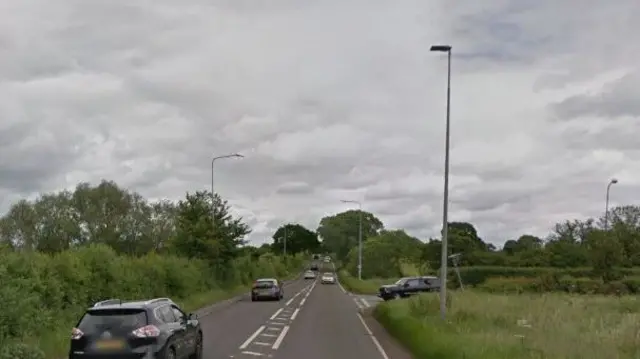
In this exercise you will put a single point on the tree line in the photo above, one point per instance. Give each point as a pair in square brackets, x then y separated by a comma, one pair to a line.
[573, 243]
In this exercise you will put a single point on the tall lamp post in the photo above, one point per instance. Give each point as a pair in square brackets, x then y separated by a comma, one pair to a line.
[606, 208]
[445, 206]
[359, 236]
[213, 160]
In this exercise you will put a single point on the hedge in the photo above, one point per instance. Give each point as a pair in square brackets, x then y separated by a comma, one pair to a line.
[42, 295]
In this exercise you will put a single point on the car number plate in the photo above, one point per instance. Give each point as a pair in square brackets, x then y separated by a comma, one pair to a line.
[110, 344]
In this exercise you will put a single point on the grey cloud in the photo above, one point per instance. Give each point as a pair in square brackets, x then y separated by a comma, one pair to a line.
[339, 108]
[617, 99]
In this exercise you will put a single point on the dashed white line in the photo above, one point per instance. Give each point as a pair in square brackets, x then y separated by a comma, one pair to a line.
[278, 341]
[302, 301]
[252, 337]
[373, 338]
[295, 314]
[364, 301]
[276, 314]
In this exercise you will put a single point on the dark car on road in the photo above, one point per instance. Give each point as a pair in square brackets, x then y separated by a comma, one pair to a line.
[408, 286]
[314, 267]
[145, 329]
[267, 288]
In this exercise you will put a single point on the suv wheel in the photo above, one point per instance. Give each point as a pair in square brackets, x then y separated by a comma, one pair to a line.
[197, 354]
[171, 353]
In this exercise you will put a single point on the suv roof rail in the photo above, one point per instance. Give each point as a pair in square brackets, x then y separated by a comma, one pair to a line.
[108, 302]
[156, 300]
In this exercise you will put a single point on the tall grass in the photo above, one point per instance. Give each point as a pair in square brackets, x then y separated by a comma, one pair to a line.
[492, 326]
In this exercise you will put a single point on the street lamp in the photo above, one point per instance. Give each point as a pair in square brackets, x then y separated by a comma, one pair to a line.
[213, 160]
[445, 206]
[606, 208]
[359, 236]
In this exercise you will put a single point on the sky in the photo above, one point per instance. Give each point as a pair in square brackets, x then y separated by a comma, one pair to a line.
[328, 101]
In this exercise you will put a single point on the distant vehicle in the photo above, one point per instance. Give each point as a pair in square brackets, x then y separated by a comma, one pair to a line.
[408, 286]
[316, 257]
[154, 329]
[328, 278]
[327, 259]
[309, 275]
[314, 267]
[267, 288]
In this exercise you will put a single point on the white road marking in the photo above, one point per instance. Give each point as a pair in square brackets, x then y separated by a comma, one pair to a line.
[276, 314]
[282, 319]
[276, 323]
[278, 341]
[268, 335]
[288, 303]
[373, 338]
[261, 343]
[358, 303]
[272, 328]
[252, 337]
[302, 301]
[364, 301]
[252, 353]
[295, 314]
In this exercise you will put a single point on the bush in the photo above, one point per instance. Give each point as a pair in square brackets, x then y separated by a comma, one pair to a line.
[43, 295]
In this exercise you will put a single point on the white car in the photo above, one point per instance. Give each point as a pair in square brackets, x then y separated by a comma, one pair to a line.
[309, 275]
[327, 259]
[328, 278]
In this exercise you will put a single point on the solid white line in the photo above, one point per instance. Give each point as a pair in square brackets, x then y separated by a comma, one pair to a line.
[278, 341]
[373, 338]
[252, 337]
[295, 314]
[276, 314]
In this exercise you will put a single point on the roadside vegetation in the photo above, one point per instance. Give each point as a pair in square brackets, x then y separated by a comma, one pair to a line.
[64, 251]
[569, 295]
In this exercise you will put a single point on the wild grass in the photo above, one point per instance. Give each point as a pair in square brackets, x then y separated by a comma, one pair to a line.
[495, 326]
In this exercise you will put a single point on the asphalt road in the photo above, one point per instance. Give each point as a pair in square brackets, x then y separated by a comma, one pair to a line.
[314, 321]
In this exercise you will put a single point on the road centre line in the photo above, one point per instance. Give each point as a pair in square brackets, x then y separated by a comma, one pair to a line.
[252, 337]
[279, 340]
[276, 314]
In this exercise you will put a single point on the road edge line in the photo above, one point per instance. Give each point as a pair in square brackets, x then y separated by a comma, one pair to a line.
[373, 338]
[252, 337]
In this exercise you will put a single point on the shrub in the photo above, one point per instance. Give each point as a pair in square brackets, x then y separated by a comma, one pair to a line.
[43, 295]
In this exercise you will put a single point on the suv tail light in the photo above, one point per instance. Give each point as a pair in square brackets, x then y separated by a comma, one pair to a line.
[76, 334]
[149, 331]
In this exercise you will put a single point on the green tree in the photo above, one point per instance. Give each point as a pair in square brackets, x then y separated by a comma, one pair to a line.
[606, 253]
[339, 233]
[201, 234]
[386, 254]
[299, 239]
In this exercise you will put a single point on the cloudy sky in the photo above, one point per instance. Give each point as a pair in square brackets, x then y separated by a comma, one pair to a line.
[328, 100]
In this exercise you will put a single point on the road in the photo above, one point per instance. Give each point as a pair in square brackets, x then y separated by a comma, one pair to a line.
[314, 320]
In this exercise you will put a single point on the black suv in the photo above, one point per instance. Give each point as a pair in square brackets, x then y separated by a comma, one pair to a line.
[150, 329]
[409, 286]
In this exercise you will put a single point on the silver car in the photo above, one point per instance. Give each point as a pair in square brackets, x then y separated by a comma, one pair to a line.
[309, 275]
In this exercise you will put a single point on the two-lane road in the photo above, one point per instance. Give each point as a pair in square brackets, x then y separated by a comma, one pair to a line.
[315, 321]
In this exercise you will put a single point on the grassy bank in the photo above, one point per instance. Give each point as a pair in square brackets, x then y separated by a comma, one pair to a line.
[43, 295]
[491, 326]
[365, 286]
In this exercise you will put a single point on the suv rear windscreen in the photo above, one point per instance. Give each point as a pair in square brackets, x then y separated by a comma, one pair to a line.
[116, 321]
[264, 284]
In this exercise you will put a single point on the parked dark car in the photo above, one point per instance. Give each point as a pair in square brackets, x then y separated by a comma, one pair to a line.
[408, 286]
[267, 288]
[147, 329]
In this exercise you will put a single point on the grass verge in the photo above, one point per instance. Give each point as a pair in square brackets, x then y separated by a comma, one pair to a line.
[491, 326]
[366, 286]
